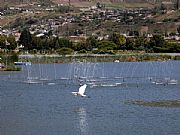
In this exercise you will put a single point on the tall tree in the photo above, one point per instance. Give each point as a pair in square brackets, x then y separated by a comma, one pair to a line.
[157, 42]
[119, 40]
[26, 39]
[91, 43]
[122, 42]
[12, 42]
[2, 41]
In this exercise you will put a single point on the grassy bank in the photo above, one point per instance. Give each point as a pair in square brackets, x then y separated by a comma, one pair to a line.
[124, 57]
[11, 69]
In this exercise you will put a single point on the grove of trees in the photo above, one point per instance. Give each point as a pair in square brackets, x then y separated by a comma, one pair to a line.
[156, 43]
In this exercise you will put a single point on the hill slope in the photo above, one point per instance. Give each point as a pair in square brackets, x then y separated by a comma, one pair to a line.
[78, 1]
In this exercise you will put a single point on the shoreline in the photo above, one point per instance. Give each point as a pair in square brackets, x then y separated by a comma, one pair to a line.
[124, 57]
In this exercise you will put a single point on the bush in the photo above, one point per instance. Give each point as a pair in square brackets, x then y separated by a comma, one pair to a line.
[106, 45]
[12, 68]
[82, 51]
[65, 51]
[14, 57]
[34, 51]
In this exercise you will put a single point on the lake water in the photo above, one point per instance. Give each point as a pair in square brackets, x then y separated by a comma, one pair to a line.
[38, 100]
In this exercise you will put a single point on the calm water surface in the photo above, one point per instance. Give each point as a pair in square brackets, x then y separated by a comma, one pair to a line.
[38, 100]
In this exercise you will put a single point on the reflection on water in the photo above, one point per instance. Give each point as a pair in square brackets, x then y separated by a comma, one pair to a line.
[83, 123]
[99, 74]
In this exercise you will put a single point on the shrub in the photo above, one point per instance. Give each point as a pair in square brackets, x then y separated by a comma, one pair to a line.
[82, 51]
[14, 57]
[65, 51]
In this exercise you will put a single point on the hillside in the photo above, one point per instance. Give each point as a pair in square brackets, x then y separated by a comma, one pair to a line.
[79, 2]
[86, 3]
[18, 2]
[110, 3]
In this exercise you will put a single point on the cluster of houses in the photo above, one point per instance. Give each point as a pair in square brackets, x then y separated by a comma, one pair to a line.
[61, 24]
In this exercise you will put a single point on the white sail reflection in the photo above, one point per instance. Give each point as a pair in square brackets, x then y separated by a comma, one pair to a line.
[83, 123]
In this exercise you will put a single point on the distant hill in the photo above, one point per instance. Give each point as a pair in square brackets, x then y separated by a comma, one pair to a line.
[17, 2]
[114, 3]
[111, 1]
[81, 2]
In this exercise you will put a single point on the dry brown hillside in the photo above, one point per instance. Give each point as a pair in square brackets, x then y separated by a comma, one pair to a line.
[111, 3]
[79, 2]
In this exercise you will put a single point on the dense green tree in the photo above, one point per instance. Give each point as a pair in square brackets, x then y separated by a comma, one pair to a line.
[46, 44]
[91, 43]
[2, 41]
[140, 43]
[13, 57]
[64, 42]
[173, 47]
[156, 42]
[26, 39]
[50, 33]
[36, 43]
[12, 42]
[51, 42]
[130, 43]
[121, 42]
[114, 37]
[79, 46]
[106, 45]
[57, 44]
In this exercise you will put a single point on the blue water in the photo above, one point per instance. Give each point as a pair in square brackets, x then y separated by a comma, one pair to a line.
[44, 105]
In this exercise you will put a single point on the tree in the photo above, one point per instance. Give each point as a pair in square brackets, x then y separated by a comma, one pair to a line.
[26, 39]
[119, 40]
[140, 43]
[106, 45]
[79, 46]
[51, 42]
[91, 43]
[2, 41]
[156, 42]
[64, 42]
[114, 37]
[57, 44]
[130, 43]
[122, 42]
[12, 41]
[65, 51]
[14, 57]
